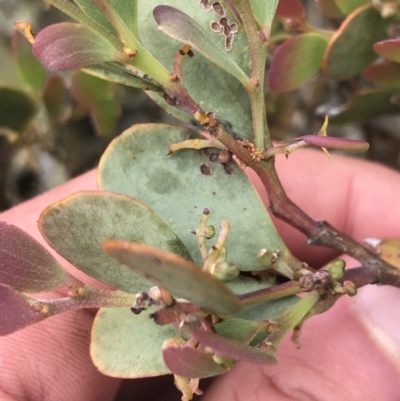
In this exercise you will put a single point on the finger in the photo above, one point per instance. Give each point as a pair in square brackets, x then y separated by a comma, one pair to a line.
[357, 197]
[50, 361]
[42, 361]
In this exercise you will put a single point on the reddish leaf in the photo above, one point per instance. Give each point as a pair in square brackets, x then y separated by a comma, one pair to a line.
[389, 49]
[53, 95]
[69, 46]
[15, 311]
[87, 89]
[331, 142]
[383, 72]
[190, 362]
[296, 61]
[25, 265]
[232, 349]
[291, 10]
[330, 9]
[177, 275]
[350, 49]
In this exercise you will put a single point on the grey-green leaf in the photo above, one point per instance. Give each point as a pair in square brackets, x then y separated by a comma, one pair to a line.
[179, 186]
[215, 91]
[264, 12]
[125, 345]
[240, 330]
[94, 13]
[190, 362]
[177, 275]
[181, 27]
[77, 226]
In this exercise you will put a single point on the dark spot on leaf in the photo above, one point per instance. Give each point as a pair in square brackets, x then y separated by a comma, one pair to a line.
[213, 157]
[190, 54]
[215, 26]
[227, 30]
[218, 9]
[207, 151]
[205, 5]
[205, 169]
[228, 169]
[224, 21]
[229, 42]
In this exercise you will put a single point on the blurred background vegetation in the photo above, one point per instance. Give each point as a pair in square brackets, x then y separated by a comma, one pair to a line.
[56, 125]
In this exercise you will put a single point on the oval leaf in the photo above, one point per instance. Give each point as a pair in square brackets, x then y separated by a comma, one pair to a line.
[389, 49]
[53, 95]
[25, 264]
[180, 277]
[174, 186]
[232, 349]
[190, 362]
[77, 226]
[347, 6]
[181, 27]
[330, 9]
[350, 49]
[70, 46]
[87, 90]
[15, 311]
[383, 72]
[17, 109]
[291, 10]
[290, 68]
[125, 345]
[230, 102]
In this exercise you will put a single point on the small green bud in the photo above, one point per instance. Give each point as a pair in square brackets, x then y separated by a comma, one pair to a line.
[224, 271]
[210, 232]
[336, 269]
[350, 288]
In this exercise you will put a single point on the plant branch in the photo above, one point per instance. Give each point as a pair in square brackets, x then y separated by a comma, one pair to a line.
[258, 55]
[270, 293]
[318, 232]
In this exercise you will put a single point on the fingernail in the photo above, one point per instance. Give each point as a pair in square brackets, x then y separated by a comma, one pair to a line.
[377, 310]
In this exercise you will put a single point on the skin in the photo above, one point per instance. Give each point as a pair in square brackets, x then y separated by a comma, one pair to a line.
[349, 353]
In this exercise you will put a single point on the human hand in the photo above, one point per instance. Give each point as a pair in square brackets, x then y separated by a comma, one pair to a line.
[339, 358]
